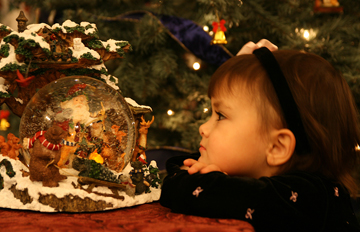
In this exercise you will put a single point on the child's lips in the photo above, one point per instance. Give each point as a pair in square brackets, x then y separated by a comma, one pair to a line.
[202, 148]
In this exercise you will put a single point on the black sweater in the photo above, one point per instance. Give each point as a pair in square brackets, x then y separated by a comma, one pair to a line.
[296, 201]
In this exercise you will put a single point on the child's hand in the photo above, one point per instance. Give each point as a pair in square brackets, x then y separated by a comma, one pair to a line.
[249, 47]
[196, 166]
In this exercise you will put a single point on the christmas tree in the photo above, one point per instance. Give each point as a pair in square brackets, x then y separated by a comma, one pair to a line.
[168, 37]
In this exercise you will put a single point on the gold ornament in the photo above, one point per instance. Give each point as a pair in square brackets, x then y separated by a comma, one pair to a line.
[4, 124]
[219, 32]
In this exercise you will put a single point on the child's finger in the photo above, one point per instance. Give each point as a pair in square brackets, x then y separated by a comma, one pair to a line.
[268, 44]
[196, 167]
[189, 162]
[248, 48]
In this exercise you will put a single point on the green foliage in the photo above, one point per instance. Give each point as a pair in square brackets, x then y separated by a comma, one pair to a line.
[4, 95]
[76, 28]
[88, 56]
[88, 27]
[8, 38]
[155, 172]
[122, 43]
[81, 29]
[4, 28]
[121, 52]
[4, 50]
[74, 60]
[112, 79]
[25, 44]
[9, 168]
[94, 43]
[23, 51]
[47, 51]
[56, 30]
[13, 67]
[9, 171]
[92, 169]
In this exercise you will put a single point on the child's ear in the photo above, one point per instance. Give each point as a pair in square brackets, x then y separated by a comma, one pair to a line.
[282, 147]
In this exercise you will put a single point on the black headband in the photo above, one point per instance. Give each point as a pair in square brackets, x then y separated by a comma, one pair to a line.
[286, 99]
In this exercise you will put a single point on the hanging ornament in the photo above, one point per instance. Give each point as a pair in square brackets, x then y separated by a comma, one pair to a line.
[219, 32]
[327, 6]
[4, 124]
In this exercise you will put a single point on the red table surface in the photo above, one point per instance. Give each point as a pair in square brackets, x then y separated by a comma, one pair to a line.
[147, 217]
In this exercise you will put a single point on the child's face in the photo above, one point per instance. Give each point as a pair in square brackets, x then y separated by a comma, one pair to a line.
[232, 138]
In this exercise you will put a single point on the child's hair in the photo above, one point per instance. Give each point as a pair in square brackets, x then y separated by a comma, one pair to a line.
[324, 101]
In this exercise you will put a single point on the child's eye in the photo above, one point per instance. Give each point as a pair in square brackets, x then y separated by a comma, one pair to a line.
[220, 116]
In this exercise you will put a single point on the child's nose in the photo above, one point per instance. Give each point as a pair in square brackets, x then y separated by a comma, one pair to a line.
[203, 130]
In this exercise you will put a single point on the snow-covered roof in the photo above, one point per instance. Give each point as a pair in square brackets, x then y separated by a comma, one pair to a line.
[99, 67]
[28, 34]
[89, 28]
[112, 44]
[11, 59]
[108, 81]
[135, 104]
[79, 53]
[36, 27]
[6, 27]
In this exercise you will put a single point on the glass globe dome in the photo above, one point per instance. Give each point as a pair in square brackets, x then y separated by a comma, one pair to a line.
[97, 119]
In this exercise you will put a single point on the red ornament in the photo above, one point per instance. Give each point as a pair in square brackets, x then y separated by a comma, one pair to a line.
[219, 35]
[23, 82]
[4, 114]
[220, 24]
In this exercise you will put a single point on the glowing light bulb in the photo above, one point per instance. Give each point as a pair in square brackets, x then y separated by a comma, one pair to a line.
[206, 110]
[306, 34]
[206, 28]
[170, 112]
[196, 66]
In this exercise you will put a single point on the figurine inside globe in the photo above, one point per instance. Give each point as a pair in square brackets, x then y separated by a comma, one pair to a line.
[81, 117]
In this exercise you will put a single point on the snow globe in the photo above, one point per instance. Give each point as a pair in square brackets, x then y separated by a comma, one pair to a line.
[96, 122]
[82, 144]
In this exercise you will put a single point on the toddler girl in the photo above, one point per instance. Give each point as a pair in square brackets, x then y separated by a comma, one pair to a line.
[279, 150]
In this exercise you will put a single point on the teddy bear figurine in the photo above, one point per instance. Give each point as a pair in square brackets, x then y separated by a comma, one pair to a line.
[45, 155]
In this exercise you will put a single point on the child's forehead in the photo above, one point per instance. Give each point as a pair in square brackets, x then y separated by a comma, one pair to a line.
[236, 94]
[234, 88]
